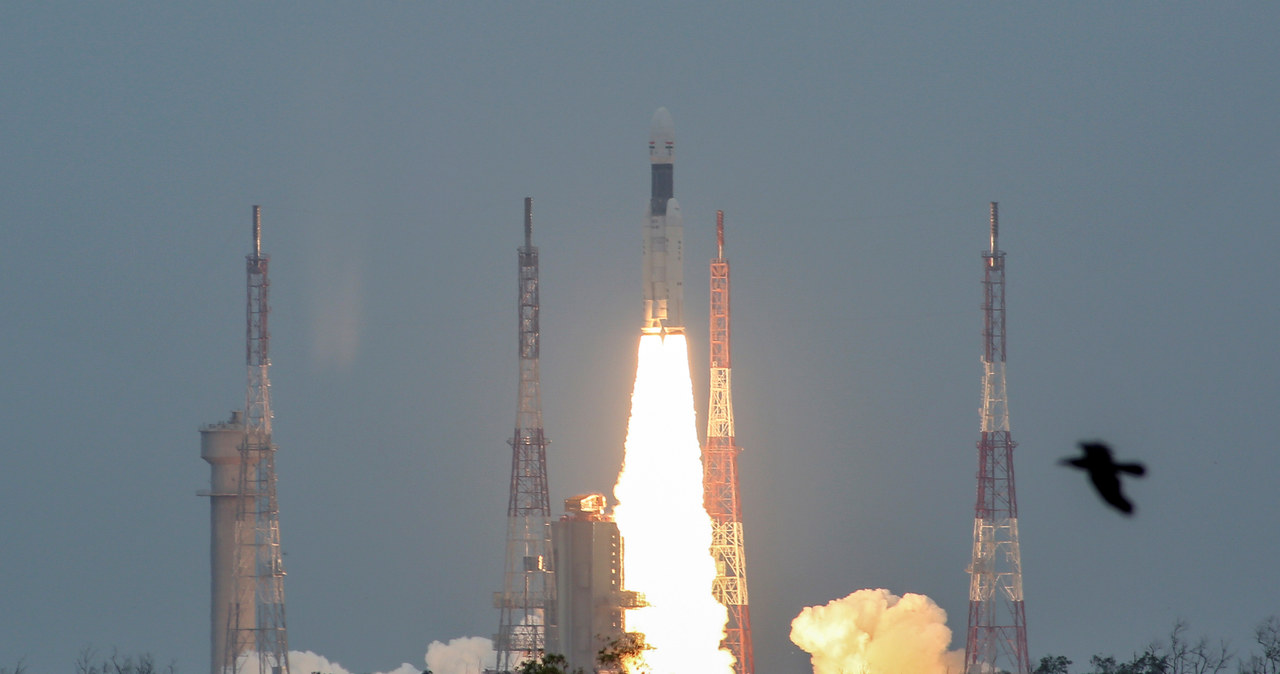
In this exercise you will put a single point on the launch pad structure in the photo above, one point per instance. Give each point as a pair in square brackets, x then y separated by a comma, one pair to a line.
[246, 561]
[591, 603]
[526, 601]
[720, 472]
[997, 633]
[563, 581]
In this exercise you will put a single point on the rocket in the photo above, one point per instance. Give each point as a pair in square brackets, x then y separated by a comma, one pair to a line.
[663, 235]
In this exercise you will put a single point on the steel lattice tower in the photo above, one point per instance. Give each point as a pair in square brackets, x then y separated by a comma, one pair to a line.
[259, 562]
[997, 636]
[720, 473]
[526, 600]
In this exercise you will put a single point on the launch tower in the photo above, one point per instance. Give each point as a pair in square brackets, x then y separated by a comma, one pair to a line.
[258, 561]
[720, 472]
[997, 635]
[526, 600]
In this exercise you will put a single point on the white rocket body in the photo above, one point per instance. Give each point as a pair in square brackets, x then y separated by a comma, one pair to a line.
[663, 235]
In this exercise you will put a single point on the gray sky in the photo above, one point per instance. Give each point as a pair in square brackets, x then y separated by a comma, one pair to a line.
[1133, 147]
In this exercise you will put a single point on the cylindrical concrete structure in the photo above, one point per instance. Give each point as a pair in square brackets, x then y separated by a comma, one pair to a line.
[220, 445]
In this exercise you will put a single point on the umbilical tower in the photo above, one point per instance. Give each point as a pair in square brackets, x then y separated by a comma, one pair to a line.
[720, 472]
[528, 587]
[259, 561]
[997, 635]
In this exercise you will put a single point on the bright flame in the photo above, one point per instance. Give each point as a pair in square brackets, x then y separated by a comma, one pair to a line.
[665, 528]
[877, 632]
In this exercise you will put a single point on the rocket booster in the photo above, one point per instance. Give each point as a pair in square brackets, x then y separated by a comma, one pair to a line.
[663, 235]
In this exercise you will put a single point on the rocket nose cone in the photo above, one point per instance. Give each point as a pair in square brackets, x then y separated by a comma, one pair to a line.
[662, 125]
[662, 137]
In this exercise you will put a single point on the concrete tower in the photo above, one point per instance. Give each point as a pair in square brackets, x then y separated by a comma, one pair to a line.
[528, 588]
[997, 636]
[220, 446]
[720, 472]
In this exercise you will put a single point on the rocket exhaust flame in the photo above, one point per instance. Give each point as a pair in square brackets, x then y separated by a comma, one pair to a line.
[662, 519]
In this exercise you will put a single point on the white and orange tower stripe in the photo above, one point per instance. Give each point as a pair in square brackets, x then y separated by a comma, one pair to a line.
[997, 634]
[720, 472]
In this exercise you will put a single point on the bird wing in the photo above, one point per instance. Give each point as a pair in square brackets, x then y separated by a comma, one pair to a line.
[1132, 468]
[1107, 483]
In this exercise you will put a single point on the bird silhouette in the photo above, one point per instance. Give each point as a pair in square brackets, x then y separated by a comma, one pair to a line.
[1105, 473]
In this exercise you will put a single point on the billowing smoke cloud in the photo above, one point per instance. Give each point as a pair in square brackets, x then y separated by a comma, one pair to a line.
[307, 662]
[464, 655]
[877, 632]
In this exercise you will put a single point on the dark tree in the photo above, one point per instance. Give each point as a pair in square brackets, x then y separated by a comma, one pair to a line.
[1147, 663]
[625, 653]
[1268, 637]
[1184, 657]
[1052, 664]
[1103, 665]
[1179, 656]
[143, 663]
[548, 663]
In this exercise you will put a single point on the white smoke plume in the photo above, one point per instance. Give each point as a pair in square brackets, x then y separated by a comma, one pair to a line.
[464, 655]
[307, 662]
[877, 632]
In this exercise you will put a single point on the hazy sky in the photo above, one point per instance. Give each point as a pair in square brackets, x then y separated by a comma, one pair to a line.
[1133, 148]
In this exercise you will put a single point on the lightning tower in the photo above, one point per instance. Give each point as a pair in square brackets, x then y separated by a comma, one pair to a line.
[997, 635]
[259, 565]
[720, 472]
[528, 581]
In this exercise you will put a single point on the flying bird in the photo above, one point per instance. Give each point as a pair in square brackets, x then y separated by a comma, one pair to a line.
[1105, 473]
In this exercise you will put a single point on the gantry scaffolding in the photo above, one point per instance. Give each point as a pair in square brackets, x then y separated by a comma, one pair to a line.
[526, 601]
[720, 472]
[259, 563]
[997, 635]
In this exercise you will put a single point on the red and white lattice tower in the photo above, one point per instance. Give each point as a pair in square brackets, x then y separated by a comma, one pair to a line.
[997, 636]
[528, 587]
[259, 562]
[720, 473]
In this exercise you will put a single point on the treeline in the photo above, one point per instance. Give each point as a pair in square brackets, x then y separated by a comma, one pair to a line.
[89, 662]
[1180, 655]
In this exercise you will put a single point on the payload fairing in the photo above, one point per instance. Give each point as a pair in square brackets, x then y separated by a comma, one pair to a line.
[663, 235]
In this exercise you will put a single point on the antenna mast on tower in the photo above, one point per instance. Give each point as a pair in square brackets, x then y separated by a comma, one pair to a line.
[997, 636]
[720, 473]
[259, 564]
[528, 580]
